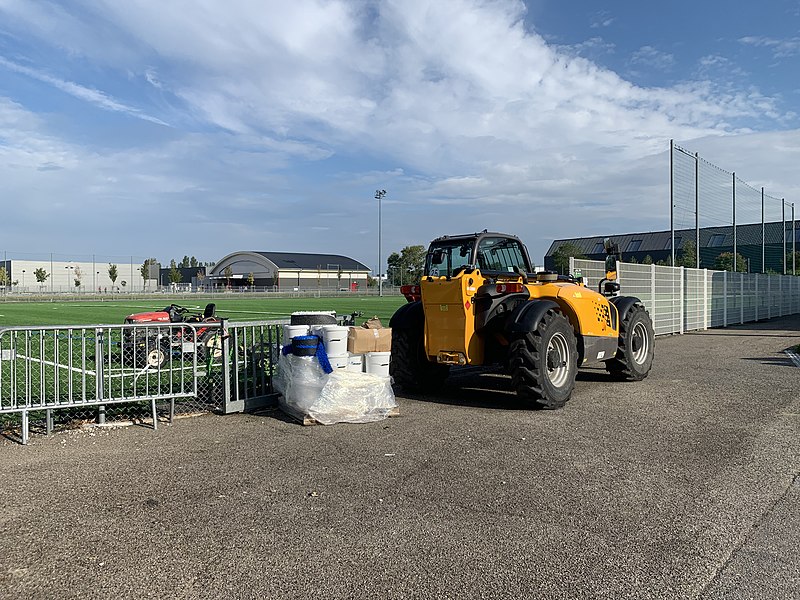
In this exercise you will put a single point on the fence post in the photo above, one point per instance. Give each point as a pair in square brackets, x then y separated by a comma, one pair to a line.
[653, 292]
[724, 298]
[25, 427]
[705, 299]
[683, 297]
[741, 298]
[571, 265]
[780, 287]
[99, 379]
[769, 296]
[757, 297]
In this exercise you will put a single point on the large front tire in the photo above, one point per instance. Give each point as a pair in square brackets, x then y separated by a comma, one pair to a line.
[409, 365]
[544, 362]
[635, 350]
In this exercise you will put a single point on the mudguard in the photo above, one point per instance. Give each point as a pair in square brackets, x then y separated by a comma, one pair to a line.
[624, 304]
[408, 316]
[526, 317]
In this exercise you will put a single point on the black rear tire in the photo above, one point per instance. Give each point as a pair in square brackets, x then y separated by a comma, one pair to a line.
[409, 365]
[544, 362]
[635, 350]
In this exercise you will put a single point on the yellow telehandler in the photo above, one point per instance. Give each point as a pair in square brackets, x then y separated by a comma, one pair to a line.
[479, 303]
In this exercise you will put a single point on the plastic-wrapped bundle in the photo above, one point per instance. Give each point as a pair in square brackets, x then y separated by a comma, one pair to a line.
[300, 379]
[341, 397]
[350, 397]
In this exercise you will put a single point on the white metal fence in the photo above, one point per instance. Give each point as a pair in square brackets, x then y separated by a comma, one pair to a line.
[680, 299]
[73, 373]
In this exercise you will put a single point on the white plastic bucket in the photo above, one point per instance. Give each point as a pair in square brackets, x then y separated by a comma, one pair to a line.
[355, 363]
[338, 362]
[290, 331]
[335, 339]
[377, 363]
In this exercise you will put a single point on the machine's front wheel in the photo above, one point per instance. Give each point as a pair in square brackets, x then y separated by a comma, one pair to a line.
[634, 357]
[154, 356]
[544, 362]
[409, 365]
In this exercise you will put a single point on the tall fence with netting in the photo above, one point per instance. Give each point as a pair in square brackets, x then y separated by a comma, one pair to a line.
[707, 198]
[681, 299]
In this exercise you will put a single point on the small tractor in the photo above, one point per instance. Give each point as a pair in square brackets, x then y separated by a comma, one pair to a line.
[479, 303]
[173, 331]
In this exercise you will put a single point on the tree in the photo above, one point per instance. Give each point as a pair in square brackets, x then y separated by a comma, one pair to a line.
[3, 277]
[193, 263]
[185, 263]
[647, 260]
[175, 276]
[789, 263]
[78, 276]
[228, 274]
[724, 262]
[251, 280]
[407, 266]
[41, 276]
[201, 275]
[687, 255]
[562, 255]
[112, 274]
[145, 269]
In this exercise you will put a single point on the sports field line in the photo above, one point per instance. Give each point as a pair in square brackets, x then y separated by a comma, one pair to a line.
[150, 307]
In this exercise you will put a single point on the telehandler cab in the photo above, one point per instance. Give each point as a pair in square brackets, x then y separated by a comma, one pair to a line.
[479, 303]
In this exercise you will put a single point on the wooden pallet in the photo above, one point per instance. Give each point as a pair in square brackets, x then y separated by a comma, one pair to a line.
[306, 420]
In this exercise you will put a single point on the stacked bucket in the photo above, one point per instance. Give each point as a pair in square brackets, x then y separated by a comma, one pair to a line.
[334, 337]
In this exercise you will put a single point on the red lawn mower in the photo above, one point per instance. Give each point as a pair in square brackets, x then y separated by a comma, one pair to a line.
[174, 331]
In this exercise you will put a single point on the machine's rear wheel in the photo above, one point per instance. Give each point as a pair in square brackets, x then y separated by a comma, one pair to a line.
[409, 365]
[544, 362]
[634, 357]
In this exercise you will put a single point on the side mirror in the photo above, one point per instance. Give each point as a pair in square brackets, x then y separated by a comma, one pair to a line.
[437, 256]
[611, 263]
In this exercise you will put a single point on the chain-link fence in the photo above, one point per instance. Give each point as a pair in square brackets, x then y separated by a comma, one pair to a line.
[714, 212]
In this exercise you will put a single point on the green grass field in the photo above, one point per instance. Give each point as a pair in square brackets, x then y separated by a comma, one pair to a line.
[89, 312]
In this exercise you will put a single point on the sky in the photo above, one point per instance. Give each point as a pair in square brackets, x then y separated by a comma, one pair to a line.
[201, 128]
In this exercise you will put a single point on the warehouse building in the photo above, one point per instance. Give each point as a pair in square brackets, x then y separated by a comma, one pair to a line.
[289, 271]
[657, 245]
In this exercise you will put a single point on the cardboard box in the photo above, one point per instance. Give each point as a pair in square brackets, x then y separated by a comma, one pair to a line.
[361, 341]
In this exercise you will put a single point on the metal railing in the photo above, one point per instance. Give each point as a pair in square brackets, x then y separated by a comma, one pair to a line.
[88, 372]
[681, 299]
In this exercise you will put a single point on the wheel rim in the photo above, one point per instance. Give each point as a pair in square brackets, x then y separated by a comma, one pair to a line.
[640, 343]
[558, 360]
[154, 358]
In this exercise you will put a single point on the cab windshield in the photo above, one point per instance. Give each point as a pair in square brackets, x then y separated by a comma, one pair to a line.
[493, 255]
[445, 258]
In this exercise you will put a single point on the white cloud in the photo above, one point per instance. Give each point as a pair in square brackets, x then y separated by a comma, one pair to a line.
[650, 57]
[781, 48]
[461, 106]
[92, 96]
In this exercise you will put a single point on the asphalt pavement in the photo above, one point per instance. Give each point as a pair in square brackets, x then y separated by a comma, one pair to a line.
[684, 485]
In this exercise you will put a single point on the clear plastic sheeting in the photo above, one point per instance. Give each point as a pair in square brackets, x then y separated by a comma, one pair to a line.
[350, 397]
[341, 397]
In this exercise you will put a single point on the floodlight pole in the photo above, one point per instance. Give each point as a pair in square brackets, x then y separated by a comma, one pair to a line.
[379, 194]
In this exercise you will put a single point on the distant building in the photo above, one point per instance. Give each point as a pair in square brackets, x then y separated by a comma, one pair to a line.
[288, 271]
[73, 276]
[713, 242]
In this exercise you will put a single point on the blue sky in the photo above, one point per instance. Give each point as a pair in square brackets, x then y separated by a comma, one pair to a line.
[200, 128]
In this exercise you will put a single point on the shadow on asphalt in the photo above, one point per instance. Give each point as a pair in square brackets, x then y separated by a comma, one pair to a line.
[490, 388]
[778, 361]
